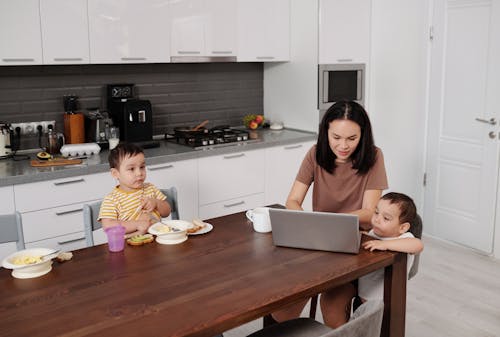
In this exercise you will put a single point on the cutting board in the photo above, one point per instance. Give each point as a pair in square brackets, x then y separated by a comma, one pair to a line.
[55, 162]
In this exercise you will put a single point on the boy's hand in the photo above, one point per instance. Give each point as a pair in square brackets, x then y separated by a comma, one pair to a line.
[149, 204]
[375, 245]
[143, 223]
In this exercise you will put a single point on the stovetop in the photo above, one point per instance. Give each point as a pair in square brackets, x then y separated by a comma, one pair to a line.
[210, 138]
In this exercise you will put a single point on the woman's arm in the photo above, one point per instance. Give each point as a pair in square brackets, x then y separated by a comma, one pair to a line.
[404, 245]
[370, 200]
[296, 196]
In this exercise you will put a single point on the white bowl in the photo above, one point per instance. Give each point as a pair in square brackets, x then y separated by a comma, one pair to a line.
[29, 270]
[177, 234]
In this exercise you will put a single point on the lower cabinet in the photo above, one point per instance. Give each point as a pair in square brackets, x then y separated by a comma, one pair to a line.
[7, 207]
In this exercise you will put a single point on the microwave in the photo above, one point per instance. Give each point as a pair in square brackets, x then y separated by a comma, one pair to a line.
[340, 82]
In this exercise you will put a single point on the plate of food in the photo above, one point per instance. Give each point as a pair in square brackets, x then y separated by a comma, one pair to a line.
[29, 263]
[199, 227]
[170, 231]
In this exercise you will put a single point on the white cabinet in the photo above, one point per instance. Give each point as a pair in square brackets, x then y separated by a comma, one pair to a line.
[129, 31]
[20, 38]
[203, 27]
[263, 30]
[344, 31]
[231, 183]
[52, 210]
[183, 176]
[65, 35]
[7, 207]
[282, 165]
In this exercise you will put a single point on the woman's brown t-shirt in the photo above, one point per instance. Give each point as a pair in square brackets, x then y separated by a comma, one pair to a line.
[342, 191]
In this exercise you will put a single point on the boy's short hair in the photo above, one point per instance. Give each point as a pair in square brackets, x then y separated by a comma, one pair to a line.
[122, 151]
[407, 208]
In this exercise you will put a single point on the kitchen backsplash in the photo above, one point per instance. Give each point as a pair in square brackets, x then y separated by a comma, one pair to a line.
[180, 94]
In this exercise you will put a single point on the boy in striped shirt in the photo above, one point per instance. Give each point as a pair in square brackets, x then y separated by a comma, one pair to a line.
[133, 203]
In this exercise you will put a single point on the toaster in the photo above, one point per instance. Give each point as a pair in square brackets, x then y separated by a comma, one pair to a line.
[96, 123]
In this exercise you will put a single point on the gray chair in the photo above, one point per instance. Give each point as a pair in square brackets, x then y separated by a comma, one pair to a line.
[11, 229]
[416, 229]
[91, 212]
[366, 321]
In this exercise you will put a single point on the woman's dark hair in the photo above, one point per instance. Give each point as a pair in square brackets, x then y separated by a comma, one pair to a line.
[408, 211]
[122, 151]
[363, 158]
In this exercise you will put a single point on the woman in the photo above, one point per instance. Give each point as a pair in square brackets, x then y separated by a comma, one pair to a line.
[349, 175]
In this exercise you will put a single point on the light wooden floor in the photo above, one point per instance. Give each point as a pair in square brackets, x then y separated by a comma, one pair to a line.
[455, 293]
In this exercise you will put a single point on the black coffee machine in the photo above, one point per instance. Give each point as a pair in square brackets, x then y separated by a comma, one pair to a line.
[133, 116]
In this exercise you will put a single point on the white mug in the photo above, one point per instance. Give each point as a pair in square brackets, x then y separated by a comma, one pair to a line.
[260, 219]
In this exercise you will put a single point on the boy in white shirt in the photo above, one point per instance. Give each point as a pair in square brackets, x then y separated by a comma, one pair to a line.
[133, 203]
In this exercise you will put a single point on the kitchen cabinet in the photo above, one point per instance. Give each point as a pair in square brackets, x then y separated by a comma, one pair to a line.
[129, 31]
[203, 27]
[20, 38]
[231, 183]
[65, 35]
[282, 165]
[182, 175]
[52, 210]
[263, 30]
[344, 31]
[7, 207]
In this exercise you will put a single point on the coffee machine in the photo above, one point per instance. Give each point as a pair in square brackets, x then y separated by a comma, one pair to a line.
[133, 116]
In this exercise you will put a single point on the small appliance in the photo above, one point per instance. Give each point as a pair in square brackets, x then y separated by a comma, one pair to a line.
[5, 135]
[133, 116]
[340, 81]
[96, 125]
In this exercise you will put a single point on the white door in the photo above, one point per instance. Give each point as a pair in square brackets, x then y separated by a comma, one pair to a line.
[463, 132]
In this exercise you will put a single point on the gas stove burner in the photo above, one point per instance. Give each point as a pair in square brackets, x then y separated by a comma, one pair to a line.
[207, 138]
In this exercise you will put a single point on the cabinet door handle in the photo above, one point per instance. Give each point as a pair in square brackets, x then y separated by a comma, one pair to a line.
[235, 204]
[225, 52]
[69, 212]
[70, 241]
[265, 57]
[134, 58]
[18, 59]
[344, 60]
[291, 147]
[67, 59]
[69, 182]
[188, 52]
[234, 156]
[161, 167]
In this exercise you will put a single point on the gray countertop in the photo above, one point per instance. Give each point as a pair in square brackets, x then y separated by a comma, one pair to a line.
[20, 172]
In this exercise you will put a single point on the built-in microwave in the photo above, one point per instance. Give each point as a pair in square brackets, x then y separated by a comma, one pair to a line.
[340, 81]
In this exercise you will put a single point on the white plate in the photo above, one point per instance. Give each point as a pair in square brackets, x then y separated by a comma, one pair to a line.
[167, 241]
[8, 261]
[208, 227]
[179, 224]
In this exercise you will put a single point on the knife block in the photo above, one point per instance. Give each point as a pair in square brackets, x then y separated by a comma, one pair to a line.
[74, 128]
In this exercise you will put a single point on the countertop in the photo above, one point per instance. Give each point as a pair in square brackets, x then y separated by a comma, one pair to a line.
[20, 172]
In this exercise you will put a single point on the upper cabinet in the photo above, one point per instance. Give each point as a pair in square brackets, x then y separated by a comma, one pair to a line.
[20, 38]
[65, 33]
[203, 27]
[263, 30]
[344, 31]
[129, 31]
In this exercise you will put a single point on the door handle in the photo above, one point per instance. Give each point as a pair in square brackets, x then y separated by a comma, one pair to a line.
[491, 121]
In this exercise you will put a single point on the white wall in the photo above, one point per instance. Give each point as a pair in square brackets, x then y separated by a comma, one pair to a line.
[291, 88]
[397, 101]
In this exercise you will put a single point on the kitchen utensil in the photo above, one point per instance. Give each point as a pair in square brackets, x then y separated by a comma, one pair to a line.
[74, 128]
[260, 219]
[199, 126]
[53, 141]
[55, 162]
[44, 258]
[113, 136]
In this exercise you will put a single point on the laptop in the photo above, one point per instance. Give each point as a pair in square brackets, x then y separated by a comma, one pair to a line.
[333, 232]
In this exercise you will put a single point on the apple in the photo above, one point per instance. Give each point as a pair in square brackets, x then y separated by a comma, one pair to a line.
[253, 125]
[259, 119]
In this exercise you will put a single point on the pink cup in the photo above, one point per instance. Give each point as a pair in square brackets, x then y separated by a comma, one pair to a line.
[116, 238]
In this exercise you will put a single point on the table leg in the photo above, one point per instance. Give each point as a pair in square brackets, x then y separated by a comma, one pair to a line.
[393, 324]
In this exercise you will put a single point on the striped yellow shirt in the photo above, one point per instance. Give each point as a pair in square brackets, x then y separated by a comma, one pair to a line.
[122, 205]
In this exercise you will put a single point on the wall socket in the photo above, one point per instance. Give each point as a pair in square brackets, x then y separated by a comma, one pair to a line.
[31, 128]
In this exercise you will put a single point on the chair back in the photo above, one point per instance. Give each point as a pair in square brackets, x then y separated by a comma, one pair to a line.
[416, 229]
[90, 214]
[11, 229]
[366, 321]
[171, 194]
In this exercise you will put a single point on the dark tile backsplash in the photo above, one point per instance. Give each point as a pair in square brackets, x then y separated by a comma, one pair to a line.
[180, 94]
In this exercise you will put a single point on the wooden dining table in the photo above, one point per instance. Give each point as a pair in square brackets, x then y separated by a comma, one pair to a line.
[202, 287]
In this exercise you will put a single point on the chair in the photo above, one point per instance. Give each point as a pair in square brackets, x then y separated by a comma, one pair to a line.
[416, 229]
[11, 229]
[91, 212]
[366, 321]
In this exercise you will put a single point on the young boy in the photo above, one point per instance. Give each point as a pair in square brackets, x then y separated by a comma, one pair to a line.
[134, 204]
[391, 225]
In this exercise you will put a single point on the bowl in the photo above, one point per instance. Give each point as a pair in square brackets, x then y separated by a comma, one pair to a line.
[170, 231]
[25, 265]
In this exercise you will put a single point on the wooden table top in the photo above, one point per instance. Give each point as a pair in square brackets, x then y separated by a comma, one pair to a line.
[204, 286]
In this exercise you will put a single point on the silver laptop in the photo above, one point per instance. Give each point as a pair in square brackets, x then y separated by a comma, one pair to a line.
[315, 230]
